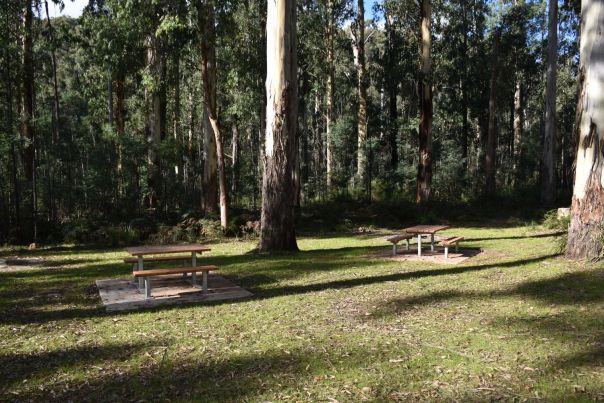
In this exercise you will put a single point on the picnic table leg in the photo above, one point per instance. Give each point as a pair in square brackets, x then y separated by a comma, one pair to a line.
[419, 244]
[147, 287]
[140, 267]
[407, 240]
[393, 249]
[432, 242]
[204, 276]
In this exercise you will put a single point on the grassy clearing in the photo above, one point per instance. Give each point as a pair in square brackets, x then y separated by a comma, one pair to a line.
[515, 322]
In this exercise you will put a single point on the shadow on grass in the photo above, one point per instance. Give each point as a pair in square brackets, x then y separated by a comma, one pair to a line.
[16, 367]
[495, 238]
[237, 378]
[24, 314]
[584, 328]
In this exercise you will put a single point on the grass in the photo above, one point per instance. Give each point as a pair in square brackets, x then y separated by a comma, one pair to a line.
[329, 323]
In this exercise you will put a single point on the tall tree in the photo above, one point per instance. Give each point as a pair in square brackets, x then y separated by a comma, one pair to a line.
[358, 47]
[27, 92]
[207, 45]
[548, 180]
[424, 169]
[329, 89]
[492, 134]
[277, 222]
[155, 95]
[587, 210]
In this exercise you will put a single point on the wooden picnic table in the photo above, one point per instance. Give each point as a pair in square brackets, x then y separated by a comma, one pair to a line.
[140, 251]
[420, 230]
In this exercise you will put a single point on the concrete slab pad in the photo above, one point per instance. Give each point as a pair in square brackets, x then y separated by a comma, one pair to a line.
[123, 294]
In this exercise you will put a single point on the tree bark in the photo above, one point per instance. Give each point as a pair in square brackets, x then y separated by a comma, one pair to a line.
[53, 58]
[209, 199]
[548, 172]
[27, 93]
[517, 142]
[329, 94]
[586, 232]
[392, 84]
[156, 117]
[491, 146]
[208, 73]
[424, 170]
[358, 47]
[278, 231]
[235, 161]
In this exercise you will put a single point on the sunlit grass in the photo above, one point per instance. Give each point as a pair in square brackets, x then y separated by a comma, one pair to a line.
[516, 321]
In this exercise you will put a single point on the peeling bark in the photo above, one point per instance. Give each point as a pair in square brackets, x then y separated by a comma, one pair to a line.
[586, 232]
[277, 231]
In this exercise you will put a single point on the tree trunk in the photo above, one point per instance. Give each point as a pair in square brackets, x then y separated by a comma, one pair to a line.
[156, 118]
[517, 142]
[392, 84]
[587, 210]
[27, 93]
[491, 146]
[548, 172]
[209, 199]
[424, 170]
[53, 58]
[120, 125]
[277, 231]
[208, 73]
[358, 47]
[329, 94]
[235, 160]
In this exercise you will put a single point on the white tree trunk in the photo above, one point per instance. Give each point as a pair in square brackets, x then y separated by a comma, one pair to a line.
[277, 223]
[587, 211]
[548, 188]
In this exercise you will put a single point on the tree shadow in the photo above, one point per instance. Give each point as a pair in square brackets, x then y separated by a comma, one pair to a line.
[536, 236]
[15, 367]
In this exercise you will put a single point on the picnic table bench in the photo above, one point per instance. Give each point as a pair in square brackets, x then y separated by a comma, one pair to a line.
[395, 239]
[447, 242]
[146, 275]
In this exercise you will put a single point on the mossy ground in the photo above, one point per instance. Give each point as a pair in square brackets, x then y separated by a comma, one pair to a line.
[516, 322]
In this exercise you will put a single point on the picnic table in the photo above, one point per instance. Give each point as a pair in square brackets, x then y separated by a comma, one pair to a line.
[139, 252]
[420, 230]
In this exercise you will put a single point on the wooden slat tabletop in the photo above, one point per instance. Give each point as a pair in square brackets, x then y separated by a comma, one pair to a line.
[160, 249]
[426, 229]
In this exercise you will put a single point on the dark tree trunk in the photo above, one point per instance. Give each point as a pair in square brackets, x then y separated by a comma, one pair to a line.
[235, 160]
[424, 170]
[27, 93]
[490, 161]
[56, 110]
[548, 171]
[277, 231]
[392, 84]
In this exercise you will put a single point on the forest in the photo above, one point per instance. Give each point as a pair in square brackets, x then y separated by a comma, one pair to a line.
[143, 111]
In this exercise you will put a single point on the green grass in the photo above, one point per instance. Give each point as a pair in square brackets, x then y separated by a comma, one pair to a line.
[515, 322]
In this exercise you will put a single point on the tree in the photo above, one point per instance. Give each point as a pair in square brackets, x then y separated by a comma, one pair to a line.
[358, 47]
[492, 134]
[424, 169]
[329, 83]
[587, 210]
[548, 188]
[207, 46]
[277, 222]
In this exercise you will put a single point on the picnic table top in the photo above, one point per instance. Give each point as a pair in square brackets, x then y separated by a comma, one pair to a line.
[425, 229]
[159, 249]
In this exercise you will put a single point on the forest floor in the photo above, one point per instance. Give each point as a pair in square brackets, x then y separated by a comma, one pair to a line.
[331, 323]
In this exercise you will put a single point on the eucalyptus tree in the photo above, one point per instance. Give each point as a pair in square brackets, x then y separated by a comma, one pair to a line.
[358, 47]
[548, 189]
[207, 47]
[277, 222]
[587, 212]
[424, 168]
